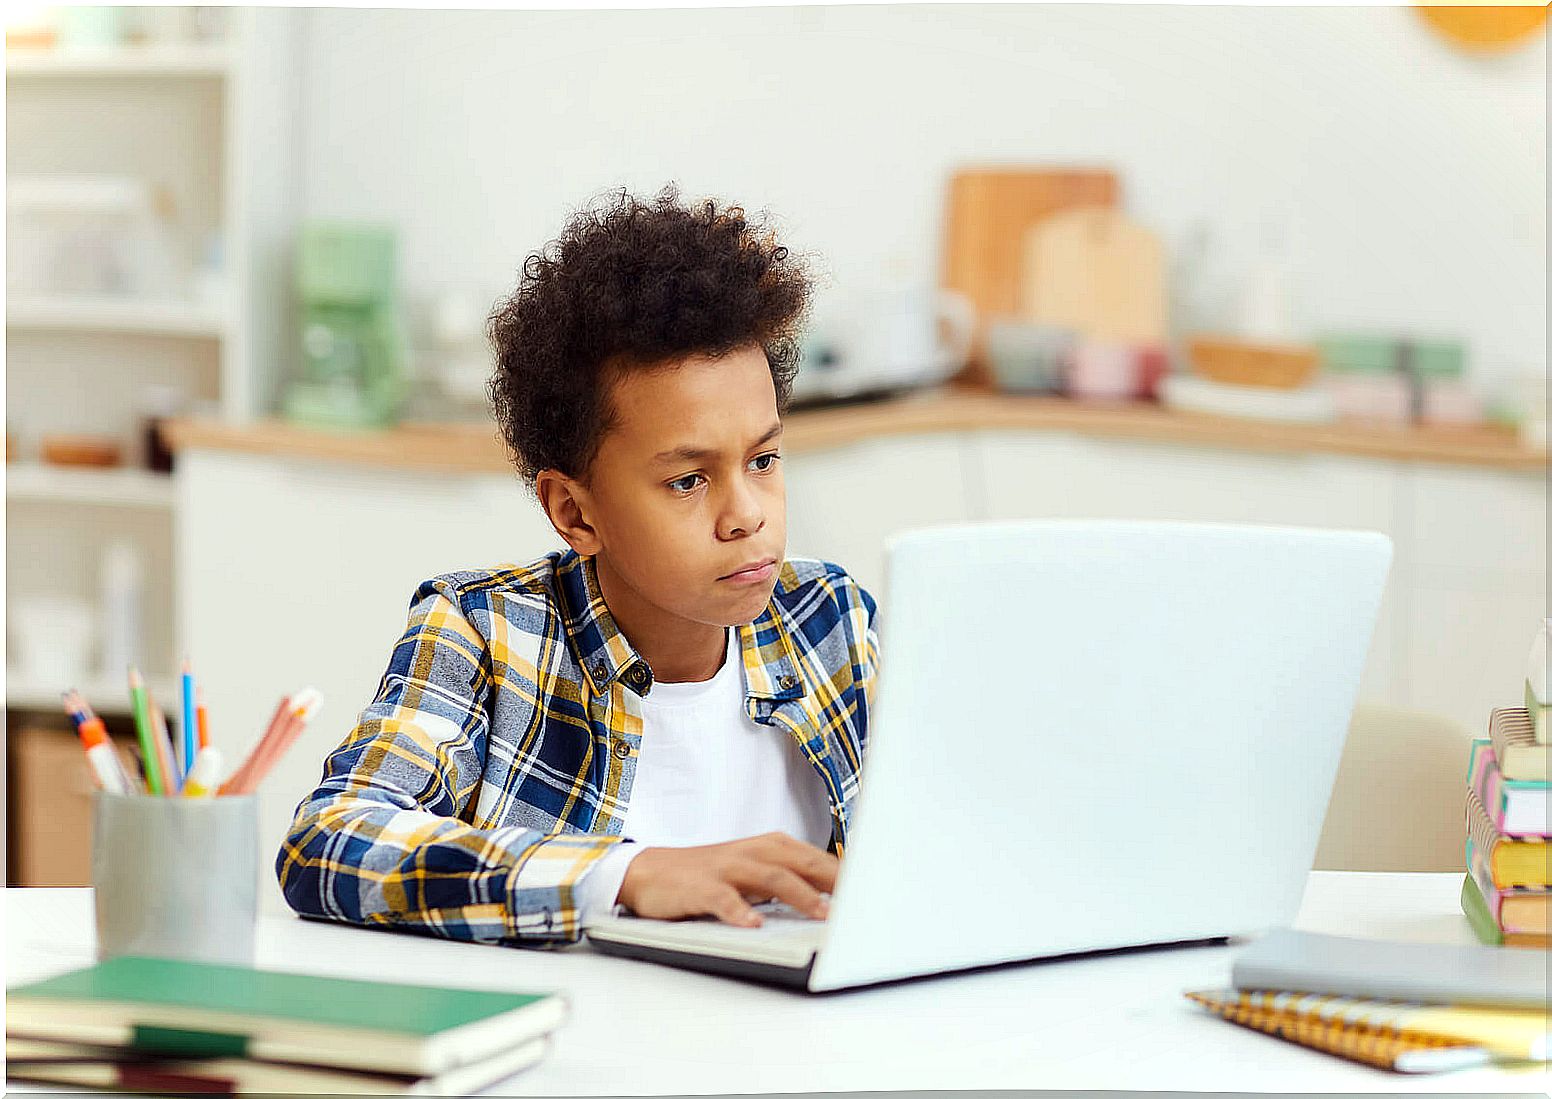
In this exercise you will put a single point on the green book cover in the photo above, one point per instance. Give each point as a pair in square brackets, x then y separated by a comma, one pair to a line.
[204, 1009]
[1475, 907]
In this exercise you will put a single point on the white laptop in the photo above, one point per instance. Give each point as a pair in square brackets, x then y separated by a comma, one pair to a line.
[1088, 735]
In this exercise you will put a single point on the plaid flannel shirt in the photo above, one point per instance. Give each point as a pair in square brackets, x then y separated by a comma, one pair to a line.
[495, 764]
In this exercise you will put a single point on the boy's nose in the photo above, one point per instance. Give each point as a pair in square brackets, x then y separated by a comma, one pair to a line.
[743, 515]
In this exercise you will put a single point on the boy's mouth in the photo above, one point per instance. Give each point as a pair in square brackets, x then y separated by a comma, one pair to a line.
[752, 573]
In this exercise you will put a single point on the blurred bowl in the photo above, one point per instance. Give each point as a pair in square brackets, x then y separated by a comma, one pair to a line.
[1241, 362]
[1028, 358]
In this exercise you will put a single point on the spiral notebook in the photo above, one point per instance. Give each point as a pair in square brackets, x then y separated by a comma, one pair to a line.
[1401, 1037]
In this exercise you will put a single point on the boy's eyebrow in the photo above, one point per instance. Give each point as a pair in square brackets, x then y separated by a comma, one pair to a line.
[696, 454]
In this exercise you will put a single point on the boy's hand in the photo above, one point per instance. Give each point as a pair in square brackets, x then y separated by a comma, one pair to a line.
[720, 879]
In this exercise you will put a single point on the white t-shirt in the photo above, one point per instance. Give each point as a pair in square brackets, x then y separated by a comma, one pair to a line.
[706, 773]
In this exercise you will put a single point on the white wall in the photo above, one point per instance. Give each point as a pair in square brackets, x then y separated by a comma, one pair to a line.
[1412, 177]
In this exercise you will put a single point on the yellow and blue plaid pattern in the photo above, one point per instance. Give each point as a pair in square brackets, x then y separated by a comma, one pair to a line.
[494, 766]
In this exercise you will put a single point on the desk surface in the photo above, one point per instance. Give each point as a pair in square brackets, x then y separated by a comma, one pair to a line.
[1102, 1023]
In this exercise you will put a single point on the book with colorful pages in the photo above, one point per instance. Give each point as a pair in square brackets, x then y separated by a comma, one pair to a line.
[1486, 928]
[1510, 860]
[1514, 744]
[108, 1068]
[1516, 808]
[196, 1009]
[1525, 909]
[1403, 1037]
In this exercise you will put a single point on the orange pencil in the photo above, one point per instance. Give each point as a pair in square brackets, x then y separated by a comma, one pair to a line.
[202, 717]
[235, 783]
[285, 727]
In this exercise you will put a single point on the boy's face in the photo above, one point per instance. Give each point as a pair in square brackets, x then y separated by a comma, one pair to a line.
[686, 493]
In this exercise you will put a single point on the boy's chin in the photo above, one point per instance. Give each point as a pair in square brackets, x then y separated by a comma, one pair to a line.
[749, 606]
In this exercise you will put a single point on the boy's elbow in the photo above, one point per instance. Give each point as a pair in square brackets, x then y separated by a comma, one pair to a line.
[300, 859]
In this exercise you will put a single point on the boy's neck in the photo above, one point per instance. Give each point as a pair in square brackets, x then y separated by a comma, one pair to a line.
[677, 650]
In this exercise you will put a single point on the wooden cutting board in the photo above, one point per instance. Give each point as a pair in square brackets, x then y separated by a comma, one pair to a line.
[1094, 270]
[989, 212]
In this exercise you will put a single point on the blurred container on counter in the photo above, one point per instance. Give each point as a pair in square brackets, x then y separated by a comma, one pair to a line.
[1397, 380]
[96, 451]
[354, 350]
[884, 341]
[1310, 404]
[158, 404]
[1249, 379]
[1027, 357]
[1253, 363]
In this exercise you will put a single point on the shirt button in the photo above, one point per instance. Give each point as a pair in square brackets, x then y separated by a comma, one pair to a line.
[600, 672]
[788, 682]
[638, 675]
[621, 750]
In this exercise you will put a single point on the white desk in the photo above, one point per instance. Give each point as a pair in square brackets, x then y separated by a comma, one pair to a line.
[1102, 1023]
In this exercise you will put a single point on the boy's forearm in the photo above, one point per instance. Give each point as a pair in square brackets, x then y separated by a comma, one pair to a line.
[371, 858]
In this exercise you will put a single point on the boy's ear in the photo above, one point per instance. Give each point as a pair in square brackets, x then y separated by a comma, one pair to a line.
[567, 504]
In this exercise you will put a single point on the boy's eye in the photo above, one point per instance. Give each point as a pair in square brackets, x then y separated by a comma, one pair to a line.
[684, 484]
[764, 462]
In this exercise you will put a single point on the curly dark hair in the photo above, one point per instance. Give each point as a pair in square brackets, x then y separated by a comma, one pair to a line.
[633, 285]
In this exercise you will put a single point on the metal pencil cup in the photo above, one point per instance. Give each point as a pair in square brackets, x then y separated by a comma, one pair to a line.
[176, 877]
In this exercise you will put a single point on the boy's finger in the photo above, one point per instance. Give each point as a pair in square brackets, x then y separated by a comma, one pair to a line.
[729, 907]
[781, 883]
[818, 867]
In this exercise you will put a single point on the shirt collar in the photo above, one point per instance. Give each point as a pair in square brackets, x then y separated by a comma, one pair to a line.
[770, 659]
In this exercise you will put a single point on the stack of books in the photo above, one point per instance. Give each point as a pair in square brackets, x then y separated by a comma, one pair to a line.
[1507, 892]
[152, 1025]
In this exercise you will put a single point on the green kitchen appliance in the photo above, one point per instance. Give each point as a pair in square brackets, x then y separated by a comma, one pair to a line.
[353, 345]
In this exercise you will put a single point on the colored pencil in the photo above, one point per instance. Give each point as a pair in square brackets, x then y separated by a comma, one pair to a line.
[100, 752]
[204, 718]
[290, 719]
[190, 720]
[145, 734]
[238, 779]
[172, 776]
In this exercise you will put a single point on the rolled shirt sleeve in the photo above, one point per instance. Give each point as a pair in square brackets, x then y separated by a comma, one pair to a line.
[383, 840]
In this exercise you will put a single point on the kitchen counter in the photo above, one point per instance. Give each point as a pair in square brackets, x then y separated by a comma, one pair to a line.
[476, 448]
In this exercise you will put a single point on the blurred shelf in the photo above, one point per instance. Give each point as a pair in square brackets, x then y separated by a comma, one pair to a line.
[135, 488]
[100, 313]
[105, 694]
[121, 61]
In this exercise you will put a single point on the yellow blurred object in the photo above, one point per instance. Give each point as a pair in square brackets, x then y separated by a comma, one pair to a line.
[1237, 362]
[1097, 272]
[1485, 28]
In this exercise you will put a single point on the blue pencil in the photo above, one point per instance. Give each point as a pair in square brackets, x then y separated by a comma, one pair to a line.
[190, 720]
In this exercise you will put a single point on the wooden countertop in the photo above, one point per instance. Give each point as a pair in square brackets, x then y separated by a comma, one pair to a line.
[475, 448]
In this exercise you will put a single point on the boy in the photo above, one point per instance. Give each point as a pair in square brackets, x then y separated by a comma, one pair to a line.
[668, 716]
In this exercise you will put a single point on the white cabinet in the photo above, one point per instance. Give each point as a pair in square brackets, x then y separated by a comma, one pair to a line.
[1475, 556]
[298, 572]
[1051, 476]
[842, 503]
